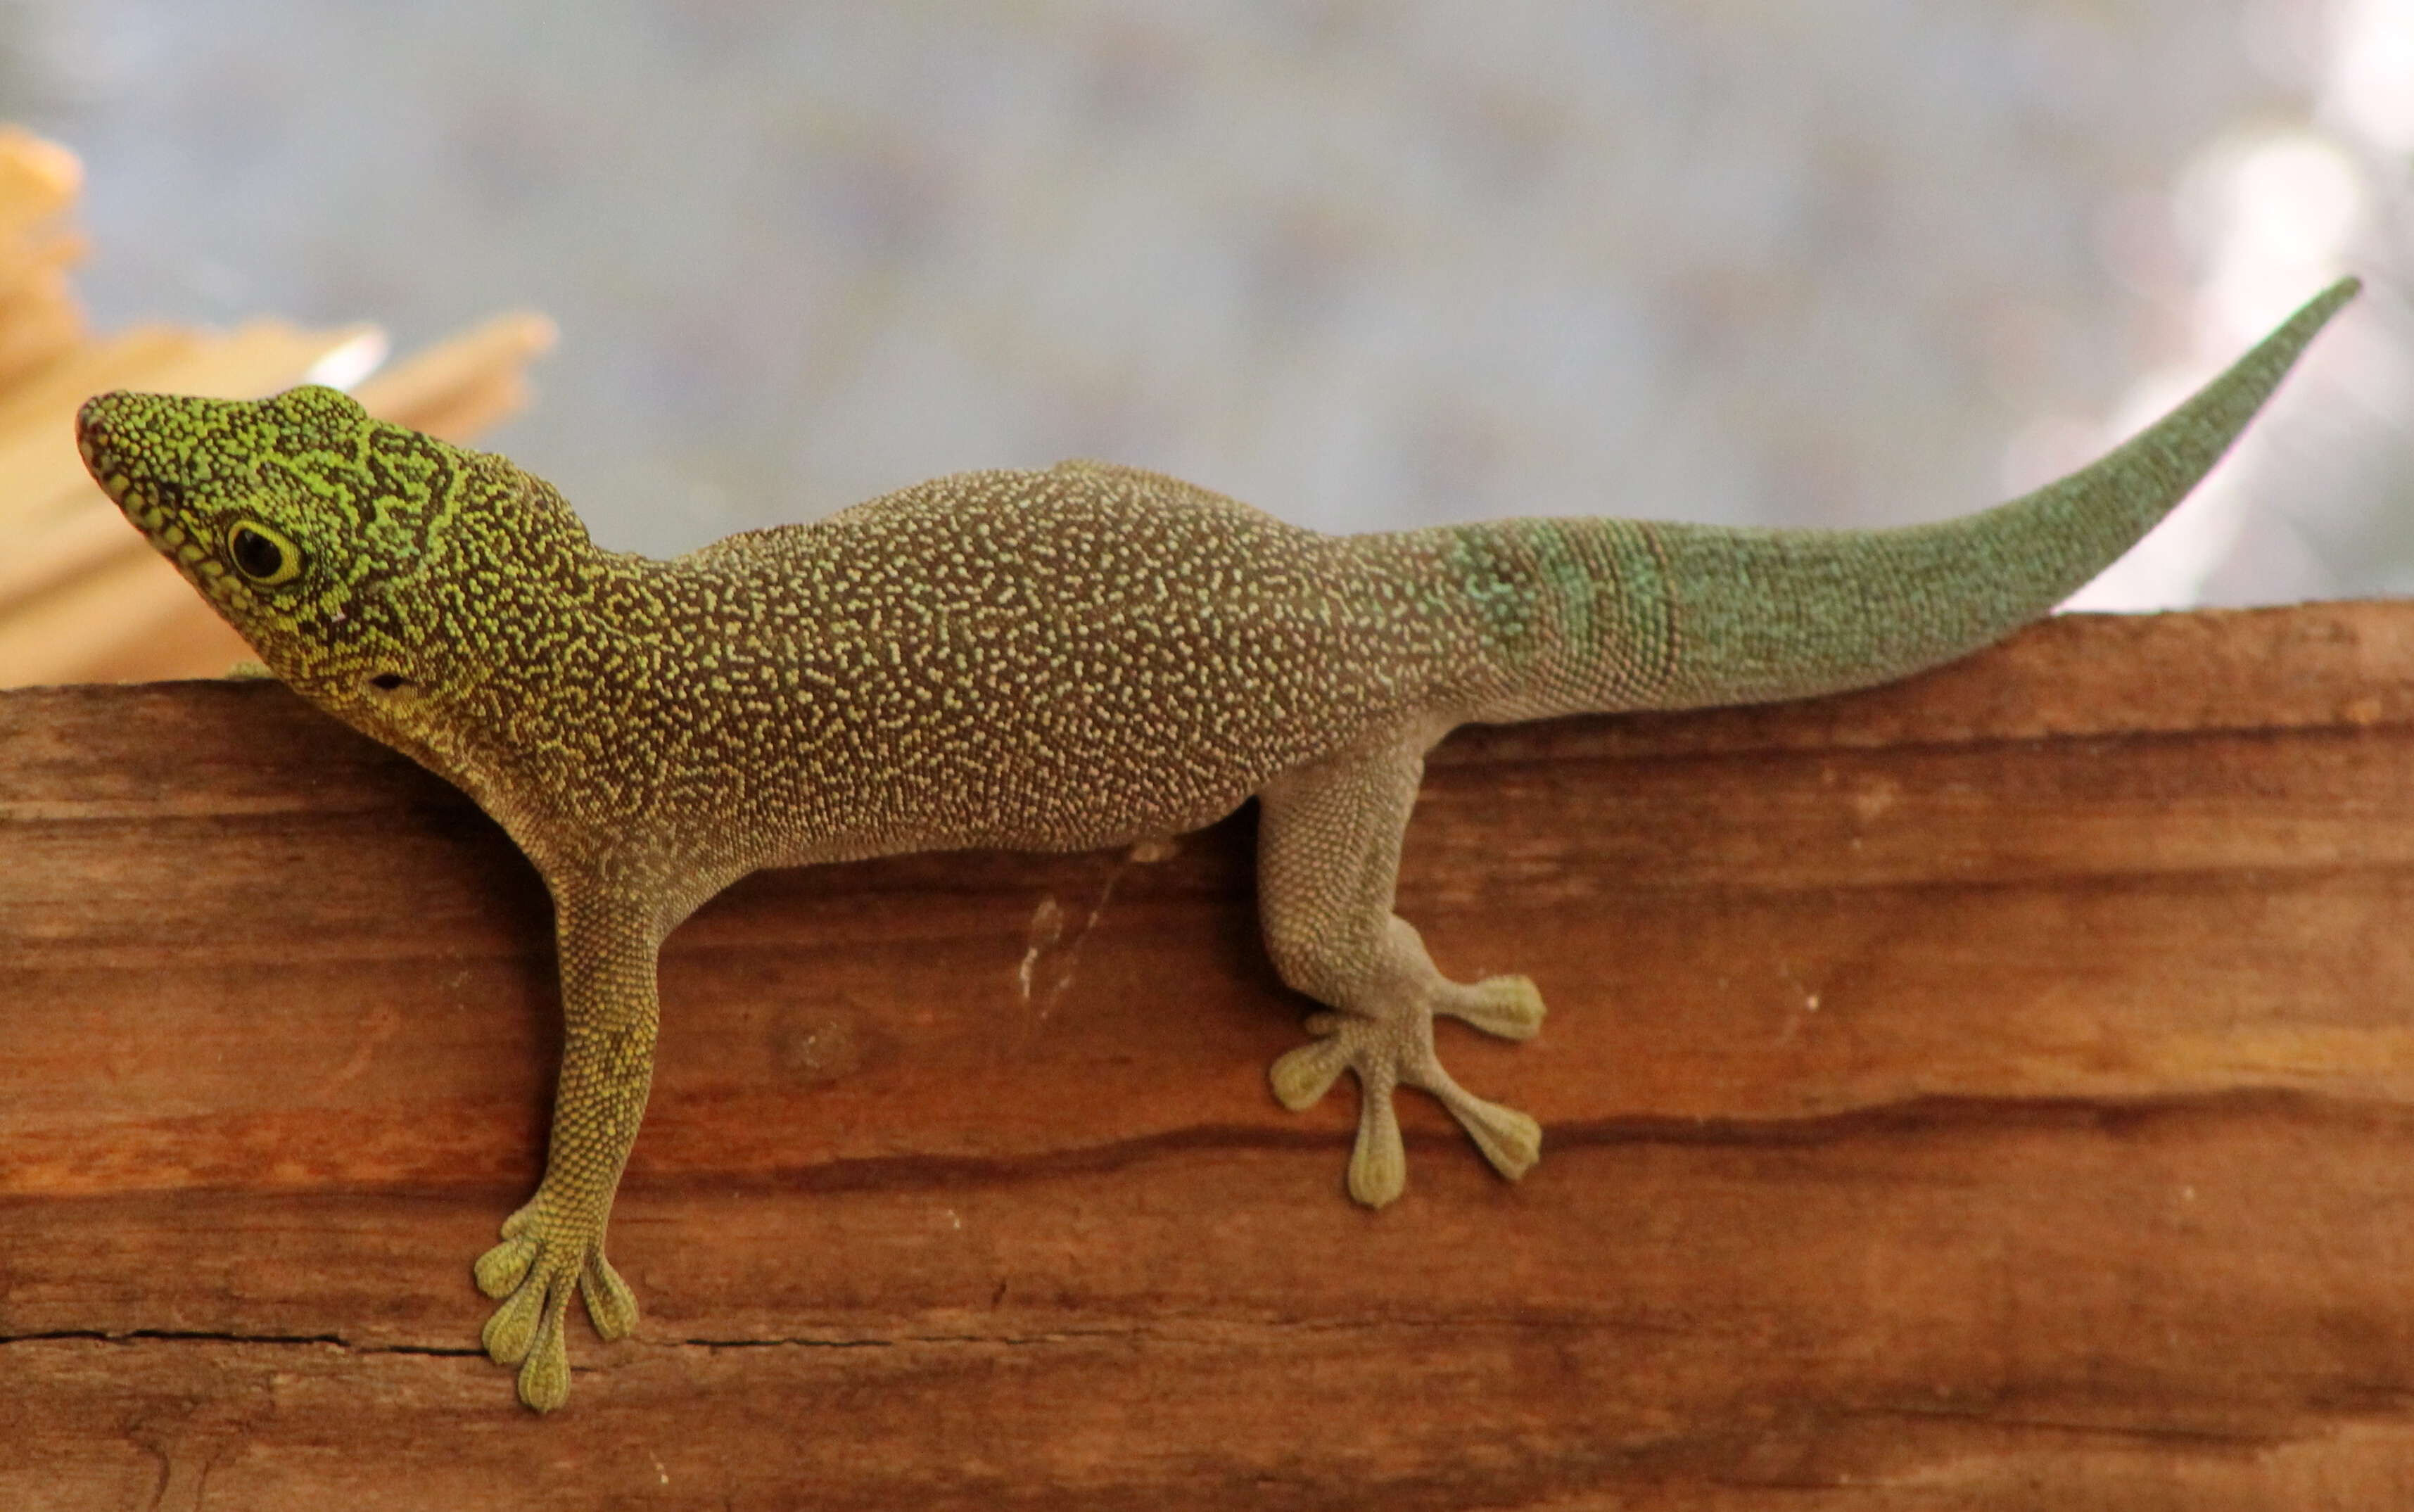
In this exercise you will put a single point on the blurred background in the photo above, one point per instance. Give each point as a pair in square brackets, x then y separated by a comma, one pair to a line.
[1361, 263]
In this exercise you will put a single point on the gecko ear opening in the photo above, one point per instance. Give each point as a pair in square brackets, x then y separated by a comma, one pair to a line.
[389, 682]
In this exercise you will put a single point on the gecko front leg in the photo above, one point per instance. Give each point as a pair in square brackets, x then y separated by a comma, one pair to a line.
[555, 1243]
[1328, 860]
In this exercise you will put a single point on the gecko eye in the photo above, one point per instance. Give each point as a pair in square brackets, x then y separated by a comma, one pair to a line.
[262, 555]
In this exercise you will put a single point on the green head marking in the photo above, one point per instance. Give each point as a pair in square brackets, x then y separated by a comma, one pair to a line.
[346, 550]
[292, 516]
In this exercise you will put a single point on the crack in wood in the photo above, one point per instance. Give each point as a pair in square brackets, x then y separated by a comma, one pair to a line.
[206, 1336]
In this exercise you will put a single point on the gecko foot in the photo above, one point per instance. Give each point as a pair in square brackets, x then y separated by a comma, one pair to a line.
[1510, 1007]
[543, 1258]
[1388, 1053]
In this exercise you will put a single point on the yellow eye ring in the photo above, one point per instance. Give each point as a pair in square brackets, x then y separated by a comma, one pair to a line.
[262, 554]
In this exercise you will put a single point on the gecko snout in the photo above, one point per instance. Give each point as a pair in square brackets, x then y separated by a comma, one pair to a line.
[102, 424]
[92, 422]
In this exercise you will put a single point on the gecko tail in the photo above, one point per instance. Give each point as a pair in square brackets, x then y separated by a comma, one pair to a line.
[1603, 615]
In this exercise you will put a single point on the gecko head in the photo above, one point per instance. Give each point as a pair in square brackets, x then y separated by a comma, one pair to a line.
[341, 547]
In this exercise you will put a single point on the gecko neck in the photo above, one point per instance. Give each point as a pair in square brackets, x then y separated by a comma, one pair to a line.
[526, 635]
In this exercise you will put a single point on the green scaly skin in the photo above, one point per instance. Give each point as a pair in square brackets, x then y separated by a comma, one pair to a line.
[1083, 657]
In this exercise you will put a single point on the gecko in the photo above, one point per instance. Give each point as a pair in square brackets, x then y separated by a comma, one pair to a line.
[1082, 657]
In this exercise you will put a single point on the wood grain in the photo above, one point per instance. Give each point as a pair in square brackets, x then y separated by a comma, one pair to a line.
[1993, 1092]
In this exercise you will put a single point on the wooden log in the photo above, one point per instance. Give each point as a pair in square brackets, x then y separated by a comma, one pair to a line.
[1988, 1092]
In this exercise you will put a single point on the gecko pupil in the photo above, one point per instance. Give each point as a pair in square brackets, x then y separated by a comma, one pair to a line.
[256, 554]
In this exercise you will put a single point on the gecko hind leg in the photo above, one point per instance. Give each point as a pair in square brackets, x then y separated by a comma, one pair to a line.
[1328, 858]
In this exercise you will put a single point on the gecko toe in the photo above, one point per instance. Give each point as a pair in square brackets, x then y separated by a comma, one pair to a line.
[1379, 1165]
[611, 1307]
[500, 1269]
[1512, 1141]
[545, 1377]
[512, 1330]
[1508, 1007]
[1300, 1077]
